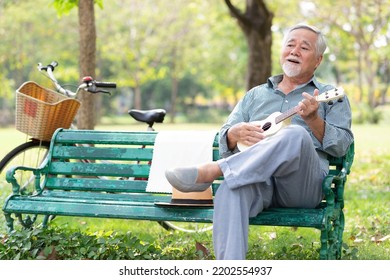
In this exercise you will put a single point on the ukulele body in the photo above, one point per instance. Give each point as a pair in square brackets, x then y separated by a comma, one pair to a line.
[269, 125]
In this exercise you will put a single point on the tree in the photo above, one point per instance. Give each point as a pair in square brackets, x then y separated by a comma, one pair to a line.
[256, 24]
[87, 54]
[87, 29]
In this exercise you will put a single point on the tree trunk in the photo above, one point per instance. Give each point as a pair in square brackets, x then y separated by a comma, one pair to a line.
[370, 76]
[174, 93]
[137, 97]
[259, 59]
[384, 72]
[87, 60]
[256, 24]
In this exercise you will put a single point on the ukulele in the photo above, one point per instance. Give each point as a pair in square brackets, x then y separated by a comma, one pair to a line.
[276, 121]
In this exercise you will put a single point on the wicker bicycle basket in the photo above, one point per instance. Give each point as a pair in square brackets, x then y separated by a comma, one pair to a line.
[40, 111]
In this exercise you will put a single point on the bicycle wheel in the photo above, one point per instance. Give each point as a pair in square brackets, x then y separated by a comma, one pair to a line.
[186, 226]
[31, 154]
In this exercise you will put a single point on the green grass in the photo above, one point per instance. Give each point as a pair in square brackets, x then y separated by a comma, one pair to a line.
[367, 209]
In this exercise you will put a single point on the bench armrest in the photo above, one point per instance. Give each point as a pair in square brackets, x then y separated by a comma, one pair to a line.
[35, 175]
[333, 184]
[333, 190]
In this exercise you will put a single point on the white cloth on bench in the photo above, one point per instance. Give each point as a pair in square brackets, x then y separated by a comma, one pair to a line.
[177, 149]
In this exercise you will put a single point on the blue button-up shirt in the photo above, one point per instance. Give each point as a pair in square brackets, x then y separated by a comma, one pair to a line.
[263, 100]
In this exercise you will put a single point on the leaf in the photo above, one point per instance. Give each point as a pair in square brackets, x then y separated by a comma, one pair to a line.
[296, 246]
[48, 253]
[272, 235]
[387, 237]
[201, 248]
[379, 240]
[27, 246]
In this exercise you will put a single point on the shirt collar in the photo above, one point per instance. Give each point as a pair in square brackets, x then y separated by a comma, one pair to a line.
[275, 80]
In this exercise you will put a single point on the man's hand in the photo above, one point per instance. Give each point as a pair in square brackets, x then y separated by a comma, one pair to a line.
[309, 106]
[245, 133]
[309, 113]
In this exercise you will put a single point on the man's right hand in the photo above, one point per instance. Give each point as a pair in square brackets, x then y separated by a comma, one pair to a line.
[247, 134]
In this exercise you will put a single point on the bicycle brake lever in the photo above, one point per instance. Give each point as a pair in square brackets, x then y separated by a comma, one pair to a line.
[105, 92]
[94, 90]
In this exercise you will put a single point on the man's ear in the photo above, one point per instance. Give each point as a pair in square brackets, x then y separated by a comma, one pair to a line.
[319, 59]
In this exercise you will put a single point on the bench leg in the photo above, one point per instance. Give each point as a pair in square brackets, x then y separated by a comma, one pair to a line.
[26, 220]
[10, 221]
[45, 221]
[332, 237]
[340, 235]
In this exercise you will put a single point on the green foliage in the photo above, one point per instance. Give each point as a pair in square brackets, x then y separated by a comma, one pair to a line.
[363, 113]
[181, 246]
[350, 253]
[56, 243]
[284, 243]
[63, 7]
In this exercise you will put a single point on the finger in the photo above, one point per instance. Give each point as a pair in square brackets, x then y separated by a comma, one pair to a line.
[310, 100]
[302, 104]
[308, 97]
[255, 126]
[254, 138]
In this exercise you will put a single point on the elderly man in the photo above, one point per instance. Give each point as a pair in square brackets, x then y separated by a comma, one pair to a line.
[282, 170]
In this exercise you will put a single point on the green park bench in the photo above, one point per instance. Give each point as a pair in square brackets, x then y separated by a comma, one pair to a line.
[77, 180]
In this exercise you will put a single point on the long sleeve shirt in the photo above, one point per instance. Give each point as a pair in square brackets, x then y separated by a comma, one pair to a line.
[263, 100]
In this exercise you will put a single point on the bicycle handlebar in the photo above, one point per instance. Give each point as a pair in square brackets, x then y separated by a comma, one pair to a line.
[93, 86]
[88, 83]
[52, 65]
[105, 84]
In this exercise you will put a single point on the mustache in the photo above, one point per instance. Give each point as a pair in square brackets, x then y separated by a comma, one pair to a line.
[293, 60]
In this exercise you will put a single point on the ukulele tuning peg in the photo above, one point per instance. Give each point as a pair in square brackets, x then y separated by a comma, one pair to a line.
[330, 102]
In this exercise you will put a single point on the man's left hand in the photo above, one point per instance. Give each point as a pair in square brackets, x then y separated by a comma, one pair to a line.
[309, 106]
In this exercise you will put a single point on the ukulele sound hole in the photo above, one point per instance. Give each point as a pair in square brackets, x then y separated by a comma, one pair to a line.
[266, 126]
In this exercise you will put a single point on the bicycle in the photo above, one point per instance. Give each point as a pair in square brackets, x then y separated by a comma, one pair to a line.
[33, 152]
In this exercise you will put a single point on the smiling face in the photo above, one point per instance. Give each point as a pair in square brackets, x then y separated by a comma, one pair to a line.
[299, 58]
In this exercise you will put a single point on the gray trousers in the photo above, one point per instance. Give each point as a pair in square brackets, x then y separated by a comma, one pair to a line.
[280, 171]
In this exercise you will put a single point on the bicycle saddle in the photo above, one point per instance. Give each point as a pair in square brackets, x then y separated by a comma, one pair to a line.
[148, 116]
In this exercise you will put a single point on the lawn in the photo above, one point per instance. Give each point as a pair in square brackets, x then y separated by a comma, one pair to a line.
[367, 209]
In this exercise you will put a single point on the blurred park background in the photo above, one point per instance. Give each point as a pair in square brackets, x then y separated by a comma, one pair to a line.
[191, 57]
[194, 58]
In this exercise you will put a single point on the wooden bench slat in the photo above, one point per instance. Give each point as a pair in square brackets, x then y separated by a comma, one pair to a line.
[294, 217]
[77, 195]
[102, 169]
[102, 153]
[120, 211]
[96, 198]
[95, 184]
[106, 137]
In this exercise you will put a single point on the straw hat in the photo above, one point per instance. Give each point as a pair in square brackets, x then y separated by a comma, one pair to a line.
[190, 199]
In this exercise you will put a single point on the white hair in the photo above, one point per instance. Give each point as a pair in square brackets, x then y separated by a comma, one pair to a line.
[320, 43]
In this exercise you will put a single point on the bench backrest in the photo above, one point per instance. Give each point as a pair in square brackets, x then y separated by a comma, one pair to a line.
[114, 155]
[77, 157]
